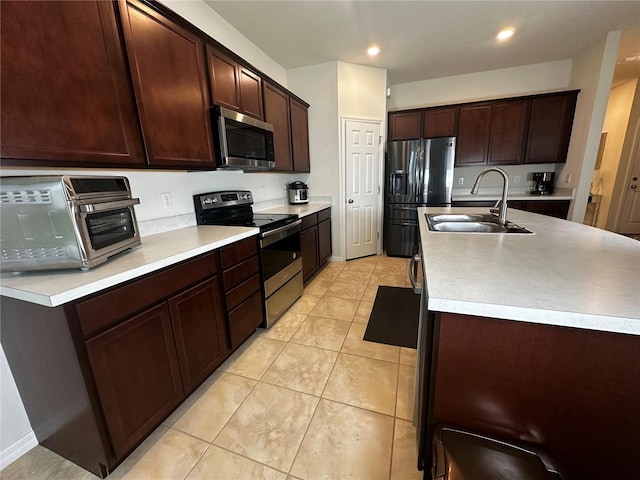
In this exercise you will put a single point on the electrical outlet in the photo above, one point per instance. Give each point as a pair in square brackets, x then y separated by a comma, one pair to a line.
[166, 200]
[568, 178]
[461, 181]
[516, 179]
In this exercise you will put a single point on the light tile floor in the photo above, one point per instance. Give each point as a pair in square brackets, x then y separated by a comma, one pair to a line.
[307, 399]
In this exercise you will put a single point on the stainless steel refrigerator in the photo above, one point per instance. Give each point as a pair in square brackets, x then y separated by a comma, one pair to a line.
[418, 173]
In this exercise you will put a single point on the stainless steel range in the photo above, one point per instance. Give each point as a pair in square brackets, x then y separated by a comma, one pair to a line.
[280, 253]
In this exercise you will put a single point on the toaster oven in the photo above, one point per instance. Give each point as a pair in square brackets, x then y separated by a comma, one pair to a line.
[55, 222]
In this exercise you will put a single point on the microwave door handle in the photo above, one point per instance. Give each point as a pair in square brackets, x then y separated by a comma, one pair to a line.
[104, 206]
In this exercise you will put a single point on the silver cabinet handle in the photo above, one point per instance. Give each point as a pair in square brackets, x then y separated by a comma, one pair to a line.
[413, 265]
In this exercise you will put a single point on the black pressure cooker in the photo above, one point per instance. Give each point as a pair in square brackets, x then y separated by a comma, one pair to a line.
[298, 193]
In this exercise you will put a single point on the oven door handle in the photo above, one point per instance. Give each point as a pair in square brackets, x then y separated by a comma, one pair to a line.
[275, 231]
[104, 206]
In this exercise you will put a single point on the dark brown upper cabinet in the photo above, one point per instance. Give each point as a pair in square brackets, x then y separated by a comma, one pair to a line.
[405, 125]
[472, 144]
[300, 136]
[66, 94]
[507, 133]
[440, 122]
[233, 85]
[550, 128]
[278, 113]
[168, 70]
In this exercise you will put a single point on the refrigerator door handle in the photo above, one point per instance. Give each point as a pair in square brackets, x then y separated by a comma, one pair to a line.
[418, 172]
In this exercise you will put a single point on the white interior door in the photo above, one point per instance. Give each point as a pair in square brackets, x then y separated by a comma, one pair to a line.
[362, 143]
[630, 215]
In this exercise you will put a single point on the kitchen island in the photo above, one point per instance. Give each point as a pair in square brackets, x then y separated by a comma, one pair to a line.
[533, 339]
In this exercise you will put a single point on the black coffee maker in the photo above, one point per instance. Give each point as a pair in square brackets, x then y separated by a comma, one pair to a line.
[543, 183]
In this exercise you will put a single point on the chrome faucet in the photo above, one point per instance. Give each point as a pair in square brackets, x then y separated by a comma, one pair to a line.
[505, 188]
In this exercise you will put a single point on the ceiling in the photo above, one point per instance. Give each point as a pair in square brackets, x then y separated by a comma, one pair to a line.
[421, 40]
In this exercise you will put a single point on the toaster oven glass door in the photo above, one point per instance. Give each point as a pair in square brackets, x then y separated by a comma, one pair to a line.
[110, 227]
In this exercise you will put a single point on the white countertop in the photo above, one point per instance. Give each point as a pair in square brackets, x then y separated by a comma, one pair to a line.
[567, 274]
[486, 197]
[301, 210]
[56, 287]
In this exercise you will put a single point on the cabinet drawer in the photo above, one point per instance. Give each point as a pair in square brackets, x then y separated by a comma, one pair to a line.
[244, 319]
[309, 221]
[324, 214]
[106, 309]
[242, 291]
[232, 254]
[240, 272]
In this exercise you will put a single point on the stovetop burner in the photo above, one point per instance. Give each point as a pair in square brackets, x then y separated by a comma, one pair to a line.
[233, 208]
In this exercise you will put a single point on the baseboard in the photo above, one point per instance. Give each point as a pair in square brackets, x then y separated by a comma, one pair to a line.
[19, 448]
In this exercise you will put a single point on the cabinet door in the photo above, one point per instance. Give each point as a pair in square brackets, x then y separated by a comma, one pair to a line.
[440, 122]
[508, 123]
[66, 94]
[300, 136]
[324, 240]
[245, 319]
[276, 112]
[250, 86]
[473, 135]
[552, 208]
[405, 125]
[223, 71]
[198, 325]
[550, 128]
[135, 368]
[168, 69]
[309, 248]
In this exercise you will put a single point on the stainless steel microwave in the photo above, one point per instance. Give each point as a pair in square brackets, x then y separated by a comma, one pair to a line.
[244, 143]
[55, 222]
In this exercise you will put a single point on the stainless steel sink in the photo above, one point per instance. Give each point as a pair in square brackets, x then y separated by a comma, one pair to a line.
[458, 217]
[471, 223]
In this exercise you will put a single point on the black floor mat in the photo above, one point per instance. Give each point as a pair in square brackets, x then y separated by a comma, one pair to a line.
[394, 318]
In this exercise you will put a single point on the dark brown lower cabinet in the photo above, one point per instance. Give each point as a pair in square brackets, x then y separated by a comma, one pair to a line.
[136, 372]
[197, 319]
[324, 235]
[315, 241]
[97, 375]
[242, 287]
[309, 247]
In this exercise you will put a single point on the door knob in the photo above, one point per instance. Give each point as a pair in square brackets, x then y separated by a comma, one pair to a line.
[350, 200]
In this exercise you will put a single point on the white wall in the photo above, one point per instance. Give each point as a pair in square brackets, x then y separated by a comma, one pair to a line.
[336, 90]
[615, 124]
[505, 82]
[627, 155]
[592, 73]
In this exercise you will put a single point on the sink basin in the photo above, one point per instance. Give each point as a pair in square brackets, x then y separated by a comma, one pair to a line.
[471, 223]
[479, 227]
[458, 217]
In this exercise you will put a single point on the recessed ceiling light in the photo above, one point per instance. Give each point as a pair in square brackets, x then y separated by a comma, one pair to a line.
[373, 51]
[506, 33]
